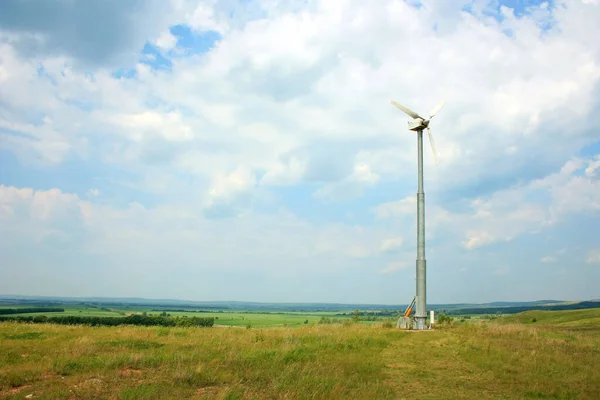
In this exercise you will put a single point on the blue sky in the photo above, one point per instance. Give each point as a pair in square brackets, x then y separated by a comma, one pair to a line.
[248, 151]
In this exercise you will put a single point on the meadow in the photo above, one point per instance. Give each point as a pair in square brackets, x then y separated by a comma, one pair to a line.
[222, 317]
[555, 357]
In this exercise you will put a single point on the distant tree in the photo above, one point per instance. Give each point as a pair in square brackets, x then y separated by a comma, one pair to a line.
[40, 319]
[29, 310]
[326, 320]
[356, 315]
[306, 321]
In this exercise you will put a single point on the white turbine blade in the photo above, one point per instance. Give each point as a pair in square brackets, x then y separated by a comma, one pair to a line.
[436, 109]
[410, 113]
[432, 145]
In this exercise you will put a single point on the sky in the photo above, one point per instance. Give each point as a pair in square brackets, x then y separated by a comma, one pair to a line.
[247, 150]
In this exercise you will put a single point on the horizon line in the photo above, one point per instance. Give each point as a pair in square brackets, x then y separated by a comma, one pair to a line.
[275, 302]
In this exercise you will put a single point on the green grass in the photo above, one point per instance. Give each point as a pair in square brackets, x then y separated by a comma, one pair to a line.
[227, 318]
[572, 319]
[257, 320]
[503, 359]
[133, 362]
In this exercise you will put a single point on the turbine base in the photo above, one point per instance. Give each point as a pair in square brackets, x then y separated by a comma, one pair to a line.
[420, 323]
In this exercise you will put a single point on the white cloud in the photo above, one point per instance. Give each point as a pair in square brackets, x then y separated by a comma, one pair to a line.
[391, 244]
[393, 267]
[93, 193]
[592, 167]
[351, 186]
[398, 208]
[167, 230]
[327, 81]
[548, 259]
[166, 40]
[139, 126]
[285, 173]
[227, 189]
[509, 213]
[477, 239]
[593, 257]
[201, 17]
[513, 212]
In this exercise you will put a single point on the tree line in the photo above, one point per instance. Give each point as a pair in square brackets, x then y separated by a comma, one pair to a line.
[29, 310]
[135, 319]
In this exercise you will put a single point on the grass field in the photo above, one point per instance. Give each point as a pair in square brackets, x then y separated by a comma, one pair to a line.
[556, 357]
[575, 319]
[225, 318]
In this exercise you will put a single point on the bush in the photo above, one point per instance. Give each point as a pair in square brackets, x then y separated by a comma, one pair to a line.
[444, 319]
[326, 320]
[388, 324]
[185, 322]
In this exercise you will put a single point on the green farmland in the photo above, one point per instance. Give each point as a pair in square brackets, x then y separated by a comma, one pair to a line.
[223, 318]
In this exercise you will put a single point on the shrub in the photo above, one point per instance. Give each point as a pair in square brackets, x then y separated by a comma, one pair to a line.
[444, 319]
[388, 324]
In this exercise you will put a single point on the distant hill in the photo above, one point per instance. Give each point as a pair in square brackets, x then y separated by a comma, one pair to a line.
[588, 319]
[533, 307]
[503, 307]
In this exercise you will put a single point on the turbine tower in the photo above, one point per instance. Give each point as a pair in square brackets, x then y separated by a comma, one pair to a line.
[417, 125]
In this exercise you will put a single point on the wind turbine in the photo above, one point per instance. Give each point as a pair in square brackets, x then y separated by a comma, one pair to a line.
[418, 124]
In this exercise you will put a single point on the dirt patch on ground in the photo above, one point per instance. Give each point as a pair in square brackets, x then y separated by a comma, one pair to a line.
[47, 377]
[130, 372]
[208, 391]
[14, 391]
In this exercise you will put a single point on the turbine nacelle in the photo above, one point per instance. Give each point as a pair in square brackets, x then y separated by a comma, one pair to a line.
[419, 123]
